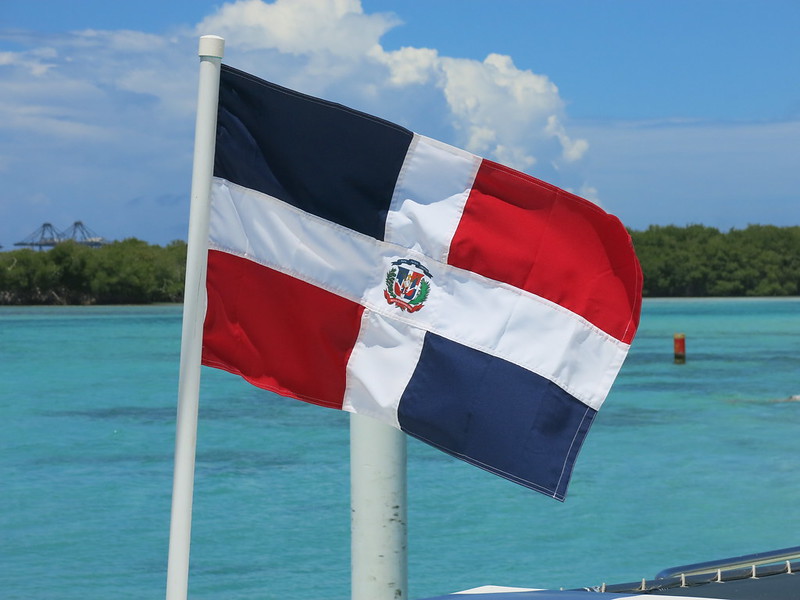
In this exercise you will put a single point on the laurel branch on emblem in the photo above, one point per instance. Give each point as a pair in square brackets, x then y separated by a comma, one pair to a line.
[390, 277]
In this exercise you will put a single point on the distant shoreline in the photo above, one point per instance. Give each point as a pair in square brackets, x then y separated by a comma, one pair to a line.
[761, 261]
[126, 272]
[4, 303]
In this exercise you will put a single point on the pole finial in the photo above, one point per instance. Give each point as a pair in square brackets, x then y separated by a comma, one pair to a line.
[212, 46]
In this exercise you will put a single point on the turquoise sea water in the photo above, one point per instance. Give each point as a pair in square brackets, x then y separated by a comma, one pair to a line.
[684, 463]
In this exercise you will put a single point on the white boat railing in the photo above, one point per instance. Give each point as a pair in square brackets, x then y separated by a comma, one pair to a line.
[785, 555]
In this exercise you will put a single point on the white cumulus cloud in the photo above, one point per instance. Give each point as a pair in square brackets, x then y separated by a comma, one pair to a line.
[337, 27]
[492, 107]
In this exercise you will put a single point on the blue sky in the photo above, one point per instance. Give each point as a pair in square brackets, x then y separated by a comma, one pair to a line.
[663, 111]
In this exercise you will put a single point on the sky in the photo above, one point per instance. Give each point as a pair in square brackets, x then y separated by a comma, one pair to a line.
[661, 111]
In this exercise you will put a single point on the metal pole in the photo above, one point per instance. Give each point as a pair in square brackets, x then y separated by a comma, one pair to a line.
[210, 51]
[378, 542]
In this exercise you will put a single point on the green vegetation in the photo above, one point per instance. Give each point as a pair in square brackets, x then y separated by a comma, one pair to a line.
[761, 260]
[127, 272]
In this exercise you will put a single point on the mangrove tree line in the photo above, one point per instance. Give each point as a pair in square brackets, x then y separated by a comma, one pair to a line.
[761, 260]
[127, 272]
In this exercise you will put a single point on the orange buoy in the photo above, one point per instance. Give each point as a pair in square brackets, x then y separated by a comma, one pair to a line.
[679, 343]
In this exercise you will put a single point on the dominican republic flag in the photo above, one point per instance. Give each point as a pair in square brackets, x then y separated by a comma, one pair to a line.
[357, 265]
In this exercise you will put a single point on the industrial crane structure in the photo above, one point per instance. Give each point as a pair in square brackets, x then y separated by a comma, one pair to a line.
[48, 236]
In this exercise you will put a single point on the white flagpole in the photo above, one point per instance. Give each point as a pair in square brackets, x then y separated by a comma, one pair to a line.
[211, 49]
[379, 558]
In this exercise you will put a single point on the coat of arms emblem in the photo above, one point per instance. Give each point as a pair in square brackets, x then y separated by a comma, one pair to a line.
[407, 285]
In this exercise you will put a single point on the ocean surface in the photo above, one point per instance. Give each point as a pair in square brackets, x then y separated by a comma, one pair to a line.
[685, 463]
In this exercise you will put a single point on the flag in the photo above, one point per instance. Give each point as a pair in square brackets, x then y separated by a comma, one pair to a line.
[357, 265]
